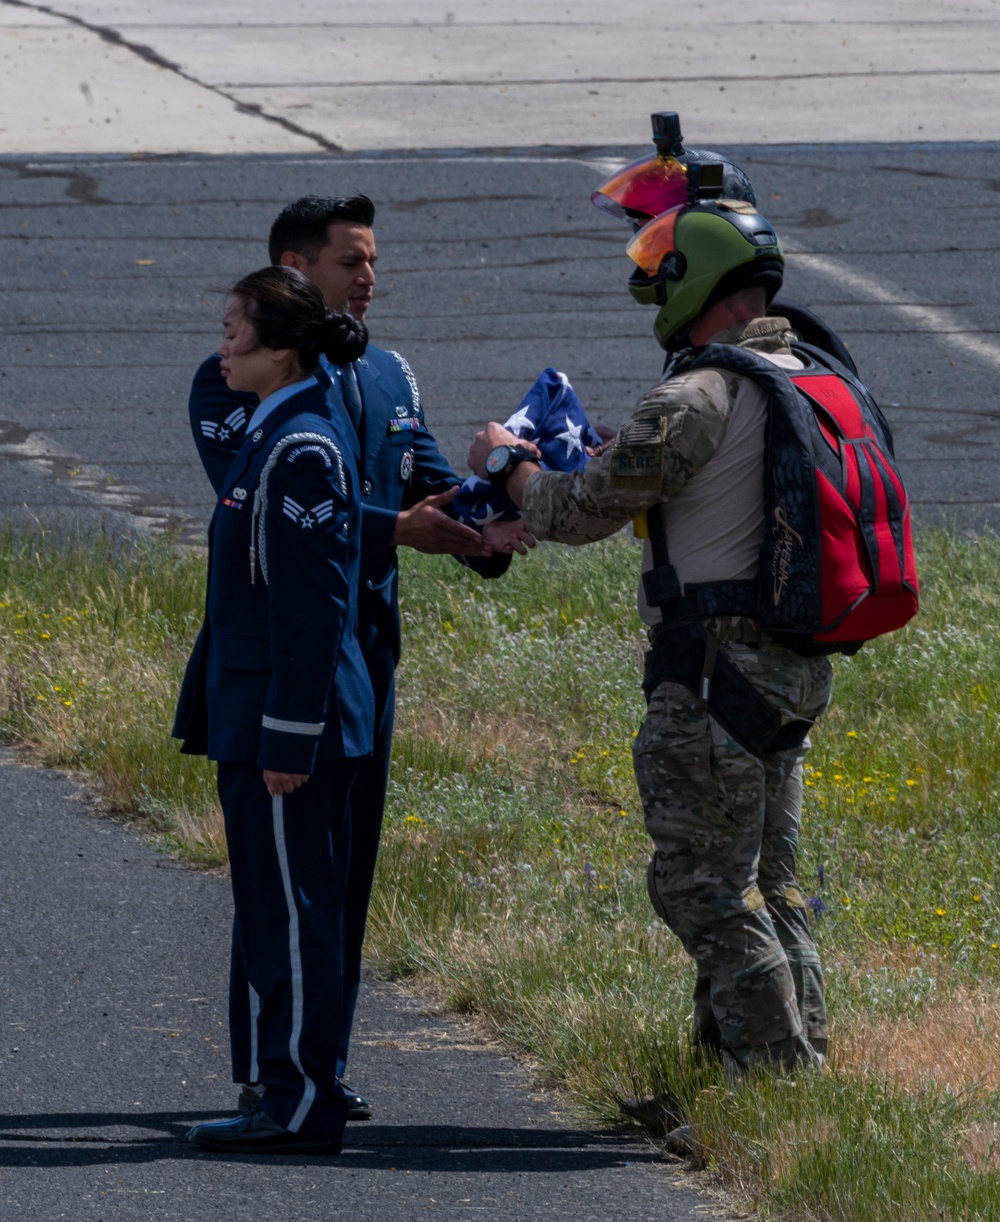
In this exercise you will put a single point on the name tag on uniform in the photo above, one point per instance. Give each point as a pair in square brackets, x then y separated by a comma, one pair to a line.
[636, 466]
[407, 423]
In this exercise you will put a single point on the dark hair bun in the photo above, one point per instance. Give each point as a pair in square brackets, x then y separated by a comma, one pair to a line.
[346, 337]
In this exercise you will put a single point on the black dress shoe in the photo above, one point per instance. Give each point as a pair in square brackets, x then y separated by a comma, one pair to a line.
[358, 1107]
[251, 1094]
[256, 1133]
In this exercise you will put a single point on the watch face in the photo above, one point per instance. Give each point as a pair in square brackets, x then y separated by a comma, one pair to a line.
[497, 459]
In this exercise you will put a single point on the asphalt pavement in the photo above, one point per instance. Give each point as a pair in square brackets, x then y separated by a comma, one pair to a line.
[490, 269]
[113, 1042]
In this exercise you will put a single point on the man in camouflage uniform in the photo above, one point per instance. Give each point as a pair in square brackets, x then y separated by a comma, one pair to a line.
[724, 821]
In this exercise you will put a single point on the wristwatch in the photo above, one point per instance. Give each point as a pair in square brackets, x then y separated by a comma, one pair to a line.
[502, 460]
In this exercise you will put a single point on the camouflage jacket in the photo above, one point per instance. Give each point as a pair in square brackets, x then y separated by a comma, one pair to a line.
[674, 431]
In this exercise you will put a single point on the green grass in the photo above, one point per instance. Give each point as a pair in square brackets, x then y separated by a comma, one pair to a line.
[94, 637]
[513, 869]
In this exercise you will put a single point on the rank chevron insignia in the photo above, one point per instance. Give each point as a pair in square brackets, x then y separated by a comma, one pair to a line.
[224, 432]
[307, 518]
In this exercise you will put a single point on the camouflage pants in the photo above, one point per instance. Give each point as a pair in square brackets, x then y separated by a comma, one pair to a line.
[725, 826]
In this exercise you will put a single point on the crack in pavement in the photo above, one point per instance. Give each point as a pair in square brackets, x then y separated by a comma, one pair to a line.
[503, 83]
[91, 482]
[153, 57]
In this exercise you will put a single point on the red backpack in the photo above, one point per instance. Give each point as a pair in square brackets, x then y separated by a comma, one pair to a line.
[837, 566]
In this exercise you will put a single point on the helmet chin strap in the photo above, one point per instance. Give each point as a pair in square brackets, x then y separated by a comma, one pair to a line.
[676, 343]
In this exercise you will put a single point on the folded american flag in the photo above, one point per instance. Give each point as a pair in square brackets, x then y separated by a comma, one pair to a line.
[553, 418]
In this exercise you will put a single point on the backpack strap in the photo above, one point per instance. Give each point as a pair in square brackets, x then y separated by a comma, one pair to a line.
[660, 582]
[684, 652]
[698, 600]
[709, 599]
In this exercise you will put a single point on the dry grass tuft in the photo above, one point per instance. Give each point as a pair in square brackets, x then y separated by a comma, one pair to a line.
[981, 1147]
[786, 1143]
[484, 736]
[872, 957]
[951, 1045]
[205, 832]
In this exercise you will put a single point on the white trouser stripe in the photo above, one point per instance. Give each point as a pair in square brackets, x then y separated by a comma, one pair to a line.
[312, 728]
[295, 959]
[254, 1015]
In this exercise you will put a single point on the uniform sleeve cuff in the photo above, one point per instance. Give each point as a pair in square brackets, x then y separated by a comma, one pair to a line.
[288, 750]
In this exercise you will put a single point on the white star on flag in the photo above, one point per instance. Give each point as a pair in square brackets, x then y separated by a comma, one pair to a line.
[571, 437]
[521, 422]
[489, 516]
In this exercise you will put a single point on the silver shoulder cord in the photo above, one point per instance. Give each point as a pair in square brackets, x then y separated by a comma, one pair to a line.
[258, 540]
[411, 380]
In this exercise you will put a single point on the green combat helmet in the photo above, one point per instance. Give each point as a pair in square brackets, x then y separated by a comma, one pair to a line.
[691, 256]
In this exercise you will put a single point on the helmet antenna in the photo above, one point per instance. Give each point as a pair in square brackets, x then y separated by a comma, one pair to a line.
[667, 133]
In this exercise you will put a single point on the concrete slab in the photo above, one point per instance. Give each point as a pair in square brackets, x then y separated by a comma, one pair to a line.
[65, 88]
[166, 77]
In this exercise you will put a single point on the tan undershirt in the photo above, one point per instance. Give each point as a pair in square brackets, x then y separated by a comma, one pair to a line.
[715, 522]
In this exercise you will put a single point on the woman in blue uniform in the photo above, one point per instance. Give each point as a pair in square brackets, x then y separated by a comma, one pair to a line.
[277, 692]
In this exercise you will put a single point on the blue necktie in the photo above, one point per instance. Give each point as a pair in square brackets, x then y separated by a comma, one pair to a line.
[352, 395]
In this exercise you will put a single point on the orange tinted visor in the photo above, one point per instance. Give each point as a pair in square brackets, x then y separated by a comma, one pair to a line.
[654, 241]
[649, 186]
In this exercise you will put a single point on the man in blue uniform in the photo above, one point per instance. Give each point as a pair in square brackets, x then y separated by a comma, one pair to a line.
[406, 486]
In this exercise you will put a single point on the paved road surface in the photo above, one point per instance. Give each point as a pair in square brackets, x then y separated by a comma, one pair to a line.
[490, 269]
[113, 1042]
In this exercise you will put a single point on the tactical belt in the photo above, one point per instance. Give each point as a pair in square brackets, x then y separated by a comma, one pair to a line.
[706, 600]
[684, 652]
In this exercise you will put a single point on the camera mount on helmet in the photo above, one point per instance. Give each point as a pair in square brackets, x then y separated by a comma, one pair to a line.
[669, 176]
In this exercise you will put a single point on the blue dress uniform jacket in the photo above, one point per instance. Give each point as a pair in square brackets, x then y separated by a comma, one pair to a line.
[400, 464]
[277, 681]
[277, 677]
